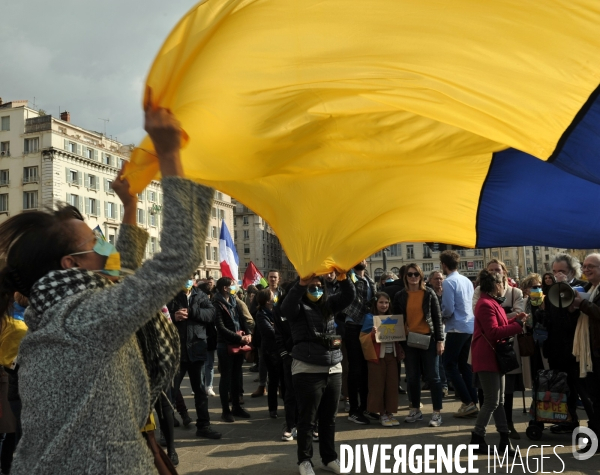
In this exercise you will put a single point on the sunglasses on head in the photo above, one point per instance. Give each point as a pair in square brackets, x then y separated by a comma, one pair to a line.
[314, 288]
[413, 274]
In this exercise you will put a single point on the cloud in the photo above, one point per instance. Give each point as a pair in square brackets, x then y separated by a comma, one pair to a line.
[90, 58]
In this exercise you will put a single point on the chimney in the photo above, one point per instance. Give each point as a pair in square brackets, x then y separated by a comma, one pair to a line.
[66, 116]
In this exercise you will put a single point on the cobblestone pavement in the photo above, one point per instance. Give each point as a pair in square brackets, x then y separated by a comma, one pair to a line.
[254, 446]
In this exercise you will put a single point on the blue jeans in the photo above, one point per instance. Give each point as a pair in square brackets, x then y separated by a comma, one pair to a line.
[209, 369]
[456, 355]
[428, 360]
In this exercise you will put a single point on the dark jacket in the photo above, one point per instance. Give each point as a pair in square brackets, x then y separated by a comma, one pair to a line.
[224, 321]
[265, 321]
[431, 310]
[392, 288]
[332, 289]
[561, 324]
[283, 333]
[193, 331]
[306, 319]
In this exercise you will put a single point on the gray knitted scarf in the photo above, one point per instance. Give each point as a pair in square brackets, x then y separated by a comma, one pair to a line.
[158, 339]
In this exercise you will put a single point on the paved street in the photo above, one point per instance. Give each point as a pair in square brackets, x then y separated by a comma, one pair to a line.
[254, 447]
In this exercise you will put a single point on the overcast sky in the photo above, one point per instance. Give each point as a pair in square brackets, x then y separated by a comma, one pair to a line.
[89, 57]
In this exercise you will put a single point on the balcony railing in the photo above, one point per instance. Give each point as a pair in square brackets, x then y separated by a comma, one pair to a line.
[38, 124]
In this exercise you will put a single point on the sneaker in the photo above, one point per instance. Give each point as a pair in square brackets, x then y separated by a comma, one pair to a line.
[371, 415]
[401, 390]
[286, 435]
[187, 420]
[466, 410]
[210, 391]
[333, 466]
[208, 433]
[347, 406]
[358, 419]
[315, 434]
[306, 468]
[436, 420]
[393, 420]
[445, 392]
[294, 433]
[227, 417]
[414, 415]
[272, 414]
[385, 421]
[239, 412]
[174, 458]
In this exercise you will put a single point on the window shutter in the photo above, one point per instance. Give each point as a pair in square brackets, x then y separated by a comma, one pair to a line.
[87, 180]
[122, 211]
[106, 209]
[68, 198]
[78, 149]
[66, 145]
[87, 206]
[83, 151]
[97, 183]
[106, 185]
[79, 178]
[67, 175]
[160, 198]
[143, 217]
[96, 155]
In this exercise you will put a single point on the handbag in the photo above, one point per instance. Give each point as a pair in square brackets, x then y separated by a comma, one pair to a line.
[526, 344]
[418, 340]
[505, 354]
[234, 349]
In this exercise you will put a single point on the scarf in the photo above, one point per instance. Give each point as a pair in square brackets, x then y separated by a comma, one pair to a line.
[157, 339]
[231, 305]
[581, 342]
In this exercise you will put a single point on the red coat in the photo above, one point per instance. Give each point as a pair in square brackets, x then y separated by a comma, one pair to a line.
[491, 319]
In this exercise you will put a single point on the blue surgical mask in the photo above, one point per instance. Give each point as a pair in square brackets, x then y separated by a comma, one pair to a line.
[389, 281]
[315, 295]
[189, 284]
[106, 249]
[232, 289]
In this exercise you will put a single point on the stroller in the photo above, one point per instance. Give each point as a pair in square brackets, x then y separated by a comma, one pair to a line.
[549, 405]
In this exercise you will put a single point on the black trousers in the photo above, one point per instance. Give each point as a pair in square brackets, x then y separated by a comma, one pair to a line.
[358, 373]
[194, 370]
[274, 370]
[289, 395]
[231, 375]
[165, 418]
[317, 395]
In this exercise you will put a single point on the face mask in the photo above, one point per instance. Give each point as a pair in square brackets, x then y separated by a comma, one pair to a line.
[315, 295]
[233, 289]
[106, 249]
[389, 281]
[189, 284]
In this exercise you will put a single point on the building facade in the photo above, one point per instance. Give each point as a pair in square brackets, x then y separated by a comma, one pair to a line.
[256, 241]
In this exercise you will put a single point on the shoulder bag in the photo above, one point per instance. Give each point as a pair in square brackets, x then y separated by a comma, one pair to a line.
[505, 354]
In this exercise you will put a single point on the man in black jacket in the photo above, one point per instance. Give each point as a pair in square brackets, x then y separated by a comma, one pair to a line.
[192, 312]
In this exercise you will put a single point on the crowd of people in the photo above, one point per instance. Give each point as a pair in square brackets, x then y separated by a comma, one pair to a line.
[81, 339]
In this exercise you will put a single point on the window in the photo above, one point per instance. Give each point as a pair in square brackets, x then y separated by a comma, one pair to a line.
[111, 239]
[74, 177]
[426, 253]
[246, 234]
[213, 212]
[495, 254]
[90, 153]
[151, 196]
[235, 235]
[505, 253]
[478, 252]
[234, 221]
[213, 232]
[152, 219]
[4, 177]
[222, 214]
[107, 159]
[110, 210]
[4, 203]
[547, 257]
[528, 261]
[72, 147]
[246, 249]
[5, 123]
[92, 207]
[508, 263]
[141, 196]
[152, 245]
[108, 186]
[4, 149]
[461, 252]
[74, 200]
[208, 252]
[378, 273]
[462, 265]
[527, 252]
[31, 145]
[478, 265]
[396, 270]
[140, 216]
[215, 257]
[395, 251]
[427, 266]
[410, 251]
[30, 200]
[92, 182]
[246, 220]
[219, 195]
[377, 254]
[30, 174]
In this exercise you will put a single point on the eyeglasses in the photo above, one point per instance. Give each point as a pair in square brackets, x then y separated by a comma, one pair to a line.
[314, 288]
[413, 274]
[588, 266]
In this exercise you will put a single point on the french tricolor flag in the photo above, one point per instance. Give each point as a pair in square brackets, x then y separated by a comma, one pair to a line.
[229, 256]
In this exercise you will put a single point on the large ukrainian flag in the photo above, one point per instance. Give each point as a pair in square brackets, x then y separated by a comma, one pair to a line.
[351, 125]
